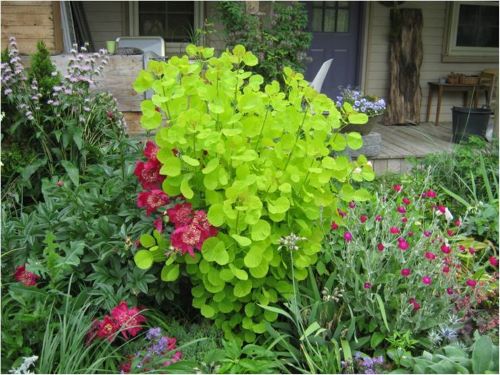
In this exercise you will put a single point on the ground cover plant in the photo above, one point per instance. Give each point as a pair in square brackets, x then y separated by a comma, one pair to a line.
[238, 238]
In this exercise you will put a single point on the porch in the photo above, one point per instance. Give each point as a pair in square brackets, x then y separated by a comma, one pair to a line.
[402, 142]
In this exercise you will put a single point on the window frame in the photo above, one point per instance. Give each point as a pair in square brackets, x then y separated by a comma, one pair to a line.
[454, 53]
[170, 47]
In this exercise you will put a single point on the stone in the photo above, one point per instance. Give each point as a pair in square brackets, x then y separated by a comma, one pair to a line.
[372, 144]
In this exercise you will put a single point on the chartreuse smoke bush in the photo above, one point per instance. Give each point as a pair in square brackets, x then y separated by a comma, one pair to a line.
[259, 162]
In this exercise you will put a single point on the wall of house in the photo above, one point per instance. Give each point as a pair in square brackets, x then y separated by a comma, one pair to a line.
[31, 21]
[107, 20]
[376, 79]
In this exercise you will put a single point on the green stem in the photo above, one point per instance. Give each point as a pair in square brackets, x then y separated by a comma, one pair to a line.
[262, 129]
[296, 140]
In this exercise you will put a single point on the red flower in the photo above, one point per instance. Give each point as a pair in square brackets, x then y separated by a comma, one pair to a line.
[404, 219]
[403, 244]
[458, 223]
[446, 269]
[426, 280]
[367, 285]
[427, 233]
[148, 174]
[416, 305]
[397, 187]
[449, 291]
[472, 251]
[406, 201]
[380, 247]
[187, 238]
[493, 261]
[461, 248]
[394, 230]
[450, 232]
[152, 200]
[181, 214]
[158, 224]
[405, 272]
[352, 204]
[25, 277]
[471, 283]
[430, 256]
[363, 218]
[128, 320]
[107, 328]
[401, 210]
[430, 194]
[200, 220]
[378, 218]
[347, 237]
[334, 225]
[441, 209]
[445, 249]
[151, 150]
[341, 213]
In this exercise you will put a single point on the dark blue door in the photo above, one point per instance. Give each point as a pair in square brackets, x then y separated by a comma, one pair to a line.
[336, 34]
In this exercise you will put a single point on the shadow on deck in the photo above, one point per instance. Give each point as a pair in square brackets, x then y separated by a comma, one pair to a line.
[402, 142]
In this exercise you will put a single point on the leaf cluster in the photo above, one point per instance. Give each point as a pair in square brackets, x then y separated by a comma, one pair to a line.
[260, 160]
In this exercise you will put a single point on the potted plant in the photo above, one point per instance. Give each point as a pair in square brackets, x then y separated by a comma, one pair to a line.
[374, 107]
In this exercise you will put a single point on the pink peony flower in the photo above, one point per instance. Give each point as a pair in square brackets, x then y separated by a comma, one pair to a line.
[380, 247]
[347, 237]
[200, 220]
[363, 219]
[158, 224]
[405, 272]
[471, 283]
[430, 256]
[107, 328]
[493, 261]
[394, 230]
[403, 244]
[181, 214]
[152, 200]
[334, 225]
[401, 209]
[426, 280]
[187, 238]
[151, 150]
[128, 320]
[397, 187]
[148, 174]
[445, 249]
[25, 277]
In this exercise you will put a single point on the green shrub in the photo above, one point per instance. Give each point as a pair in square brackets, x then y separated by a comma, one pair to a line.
[259, 160]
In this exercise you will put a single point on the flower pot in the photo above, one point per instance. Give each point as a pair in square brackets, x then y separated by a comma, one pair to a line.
[364, 128]
[469, 121]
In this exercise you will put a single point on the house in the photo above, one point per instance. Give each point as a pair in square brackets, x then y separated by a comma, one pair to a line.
[459, 36]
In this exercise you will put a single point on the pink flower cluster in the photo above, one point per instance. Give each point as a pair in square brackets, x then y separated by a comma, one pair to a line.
[191, 228]
[25, 277]
[123, 319]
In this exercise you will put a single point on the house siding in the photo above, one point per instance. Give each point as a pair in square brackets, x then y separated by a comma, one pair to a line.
[29, 22]
[376, 81]
[107, 20]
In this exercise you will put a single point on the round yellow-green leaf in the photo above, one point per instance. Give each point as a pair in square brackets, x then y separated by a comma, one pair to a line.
[170, 273]
[354, 140]
[143, 259]
[261, 230]
[242, 288]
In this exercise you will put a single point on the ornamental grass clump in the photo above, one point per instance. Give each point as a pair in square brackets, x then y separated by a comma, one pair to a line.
[244, 164]
[397, 260]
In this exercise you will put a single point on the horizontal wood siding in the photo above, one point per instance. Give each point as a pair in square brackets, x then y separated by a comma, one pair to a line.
[106, 20]
[377, 62]
[29, 22]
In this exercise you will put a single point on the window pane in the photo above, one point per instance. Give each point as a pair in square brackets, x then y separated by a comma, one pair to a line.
[152, 6]
[343, 21]
[179, 27]
[329, 21]
[477, 26]
[180, 6]
[152, 25]
[317, 20]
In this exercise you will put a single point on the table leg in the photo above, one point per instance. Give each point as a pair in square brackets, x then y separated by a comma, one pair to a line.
[438, 109]
[429, 104]
[466, 96]
[475, 94]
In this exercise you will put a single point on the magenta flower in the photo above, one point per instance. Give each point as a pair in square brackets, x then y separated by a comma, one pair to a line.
[445, 249]
[341, 213]
[352, 204]
[158, 224]
[426, 280]
[394, 230]
[367, 285]
[427, 233]
[458, 223]
[450, 232]
[493, 261]
[378, 218]
[445, 269]
[430, 256]
[416, 305]
[334, 225]
[449, 291]
[405, 272]
[472, 251]
[430, 194]
[363, 218]
[401, 210]
[397, 187]
[406, 201]
[404, 219]
[380, 247]
[347, 237]
[152, 200]
[403, 244]
[471, 283]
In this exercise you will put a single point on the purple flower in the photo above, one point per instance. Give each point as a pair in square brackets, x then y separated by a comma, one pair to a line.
[153, 333]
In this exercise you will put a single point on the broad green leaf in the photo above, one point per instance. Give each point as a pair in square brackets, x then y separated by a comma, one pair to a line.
[250, 59]
[482, 355]
[211, 166]
[382, 311]
[215, 215]
[143, 259]
[376, 339]
[261, 230]
[143, 82]
[354, 141]
[242, 241]
[239, 274]
[357, 118]
[147, 240]
[279, 206]
[242, 288]
[171, 166]
[190, 161]
[72, 171]
[186, 190]
[207, 311]
[170, 272]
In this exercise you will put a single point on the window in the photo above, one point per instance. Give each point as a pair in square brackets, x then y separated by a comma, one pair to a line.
[330, 16]
[472, 32]
[175, 21]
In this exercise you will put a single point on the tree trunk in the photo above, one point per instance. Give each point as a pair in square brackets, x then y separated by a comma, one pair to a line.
[406, 52]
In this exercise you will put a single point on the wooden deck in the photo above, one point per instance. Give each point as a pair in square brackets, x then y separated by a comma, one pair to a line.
[401, 142]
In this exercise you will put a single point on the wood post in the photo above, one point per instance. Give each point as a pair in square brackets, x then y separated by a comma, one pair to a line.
[406, 53]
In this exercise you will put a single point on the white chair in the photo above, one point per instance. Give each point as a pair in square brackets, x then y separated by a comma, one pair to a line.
[317, 82]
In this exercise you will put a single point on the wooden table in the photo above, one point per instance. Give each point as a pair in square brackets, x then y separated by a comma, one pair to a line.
[441, 87]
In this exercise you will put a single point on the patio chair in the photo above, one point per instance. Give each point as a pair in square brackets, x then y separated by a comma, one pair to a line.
[317, 82]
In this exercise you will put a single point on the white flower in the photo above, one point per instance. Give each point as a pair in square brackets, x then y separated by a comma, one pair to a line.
[24, 368]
